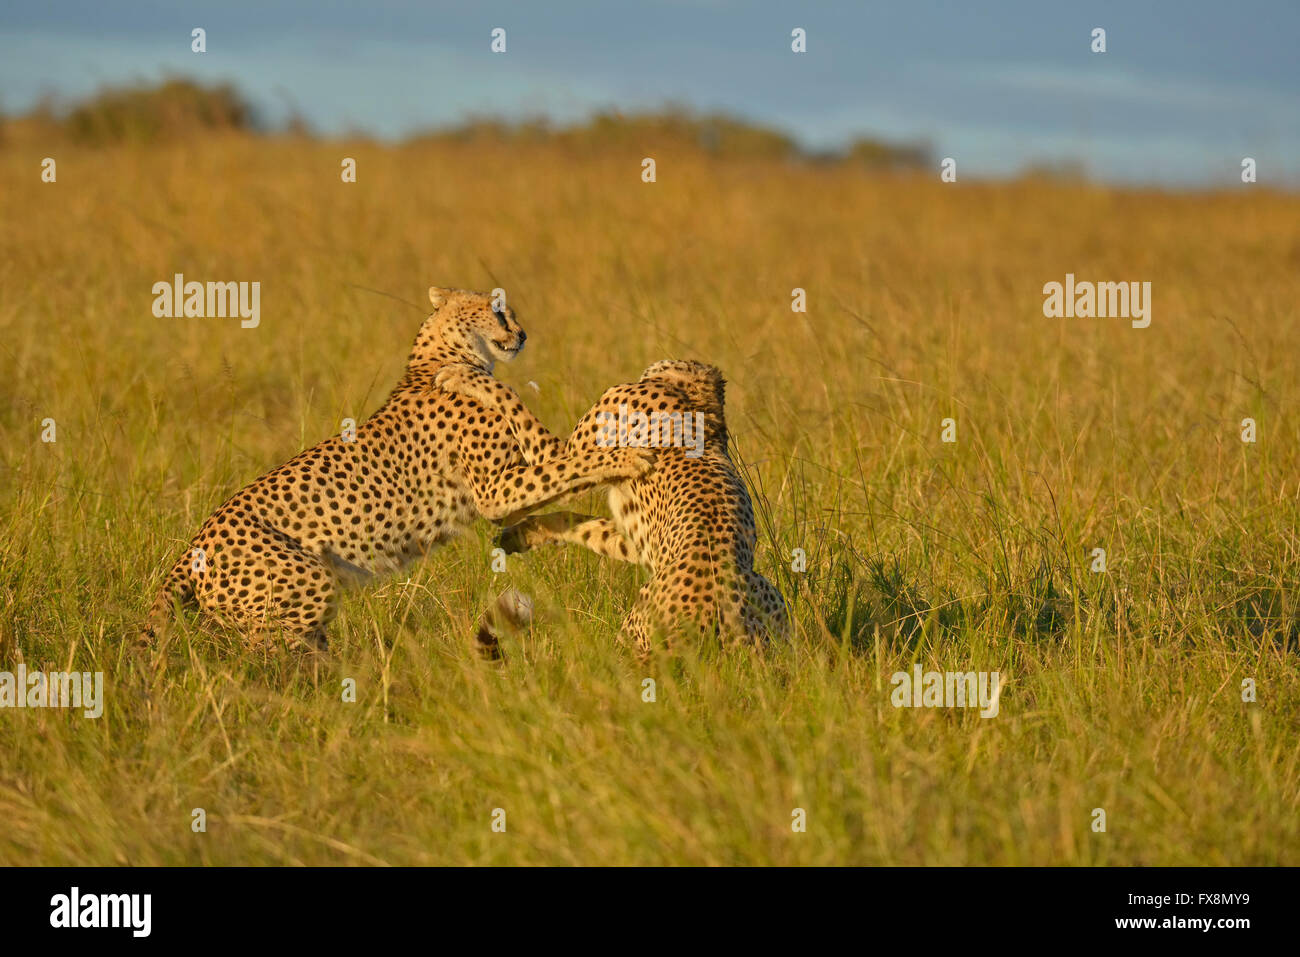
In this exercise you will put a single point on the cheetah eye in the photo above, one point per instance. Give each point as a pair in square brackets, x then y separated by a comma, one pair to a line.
[501, 318]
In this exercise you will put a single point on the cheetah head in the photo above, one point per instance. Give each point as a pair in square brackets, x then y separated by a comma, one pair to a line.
[703, 387]
[467, 325]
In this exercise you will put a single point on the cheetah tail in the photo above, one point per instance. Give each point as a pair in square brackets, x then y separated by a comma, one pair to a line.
[177, 587]
[512, 610]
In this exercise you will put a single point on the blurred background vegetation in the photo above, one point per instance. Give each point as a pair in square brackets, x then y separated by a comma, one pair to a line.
[178, 108]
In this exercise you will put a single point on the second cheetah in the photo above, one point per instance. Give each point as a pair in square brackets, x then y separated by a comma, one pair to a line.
[690, 520]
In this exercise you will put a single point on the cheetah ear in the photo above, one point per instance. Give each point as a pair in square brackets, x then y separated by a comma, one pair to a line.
[437, 296]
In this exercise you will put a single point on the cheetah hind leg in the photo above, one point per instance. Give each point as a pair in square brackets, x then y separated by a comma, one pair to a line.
[176, 589]
[274, 635]
[298, 607]
[641, 625]
[767, 615]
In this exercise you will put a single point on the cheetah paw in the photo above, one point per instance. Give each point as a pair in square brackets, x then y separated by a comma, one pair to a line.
[467, 381]
[629, 463]
[514, 538]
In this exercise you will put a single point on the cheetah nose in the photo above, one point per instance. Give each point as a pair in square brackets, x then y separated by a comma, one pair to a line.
[523, 337]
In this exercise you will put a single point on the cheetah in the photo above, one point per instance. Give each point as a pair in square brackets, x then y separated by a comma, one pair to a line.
[689, 520]
[274, 557]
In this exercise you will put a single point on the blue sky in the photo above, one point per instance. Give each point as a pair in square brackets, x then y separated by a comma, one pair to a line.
[1184, 90]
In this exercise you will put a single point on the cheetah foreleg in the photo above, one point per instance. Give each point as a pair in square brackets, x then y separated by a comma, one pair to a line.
[536, 443]
[507, 496]
[600, 535]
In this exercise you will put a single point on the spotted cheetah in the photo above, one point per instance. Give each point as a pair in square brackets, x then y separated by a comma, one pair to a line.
[272, 559]
[690, 520]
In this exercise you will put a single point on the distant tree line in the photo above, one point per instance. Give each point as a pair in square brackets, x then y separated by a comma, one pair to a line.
[178, 108]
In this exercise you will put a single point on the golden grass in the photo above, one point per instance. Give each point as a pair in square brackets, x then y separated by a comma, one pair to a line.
[1123, 689]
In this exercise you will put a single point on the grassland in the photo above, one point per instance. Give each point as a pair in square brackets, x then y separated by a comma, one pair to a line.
[1122, 689]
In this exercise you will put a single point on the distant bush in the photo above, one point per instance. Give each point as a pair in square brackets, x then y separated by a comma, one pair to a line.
[713, 133]
[878, 154]
[1056, 171]
[143, 114]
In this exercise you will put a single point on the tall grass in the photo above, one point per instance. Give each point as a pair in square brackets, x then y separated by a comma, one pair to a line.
[1123, 690]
